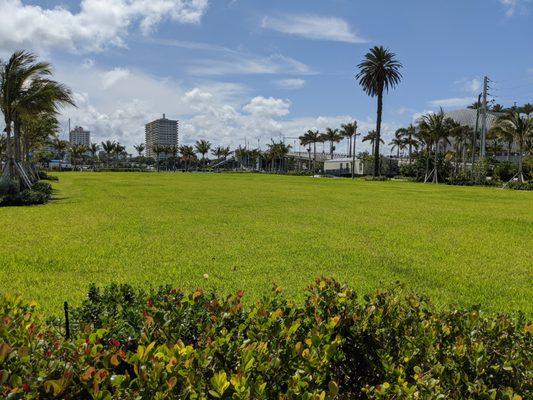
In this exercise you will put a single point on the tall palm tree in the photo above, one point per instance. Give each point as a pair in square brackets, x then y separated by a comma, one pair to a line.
[379, 72]
[158, 150]
[217, 152]
[139, 148]
[408, 135]
[397, 143]
[202, 147]
[109, 147]
[349, 131]
[277, 152]
[332, 136]
[372, 137]
[118, 151]
[26, 90]
[94, 148]
[521, 128]
[527, 109]
[436, 126]
[60, 147]
[76, 153]
[187, 155]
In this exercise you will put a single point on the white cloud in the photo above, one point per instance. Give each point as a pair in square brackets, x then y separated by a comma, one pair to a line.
[267, 107]
[469, 85]
[109, 78]
[313, 27]
[515, 6]
[97, 24]
[295, 83]
[452, 102]
[248, 65]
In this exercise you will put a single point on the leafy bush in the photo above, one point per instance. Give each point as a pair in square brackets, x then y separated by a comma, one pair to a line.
[520, 186]
[9, 187]
[46, 177]
[408, 170]
[505, 170]
[376, 178]
[128, 344]
[40, 193]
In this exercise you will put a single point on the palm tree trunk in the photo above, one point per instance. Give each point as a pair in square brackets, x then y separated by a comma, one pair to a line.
[378, 133]
[509, 145]
[410, 147]
[435, 178]
[520, 166]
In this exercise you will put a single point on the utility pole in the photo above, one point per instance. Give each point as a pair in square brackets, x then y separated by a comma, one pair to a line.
[484, 117]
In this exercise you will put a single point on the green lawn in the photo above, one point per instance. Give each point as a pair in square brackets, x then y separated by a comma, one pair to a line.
[458, 244]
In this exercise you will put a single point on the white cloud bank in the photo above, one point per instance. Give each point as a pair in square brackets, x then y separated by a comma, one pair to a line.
[313, 27]
[97, 24]
[452, 102]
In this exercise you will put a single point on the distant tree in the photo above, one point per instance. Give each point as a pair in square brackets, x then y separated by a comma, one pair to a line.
[521, 128]
[202, 147]
[408, 135]
[372, 137]
[379, 72]
[332, 136]
[158, 150]
[139, 148]
[436, 126]
[76, 154]
[349, 131]
[109, 147]
[60, 147]
[187, 154]
[527, 109]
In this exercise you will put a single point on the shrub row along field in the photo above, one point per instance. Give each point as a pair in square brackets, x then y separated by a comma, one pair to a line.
[464, 245]
[169, 344]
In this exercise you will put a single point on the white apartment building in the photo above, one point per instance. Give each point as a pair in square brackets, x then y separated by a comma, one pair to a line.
[78, 135]
[163, 132]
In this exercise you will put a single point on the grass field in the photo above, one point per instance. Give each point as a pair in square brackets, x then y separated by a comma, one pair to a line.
[460, 245]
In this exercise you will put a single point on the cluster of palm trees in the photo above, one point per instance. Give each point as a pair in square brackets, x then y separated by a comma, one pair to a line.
[30, 101]
[332, 136]
[436, 136]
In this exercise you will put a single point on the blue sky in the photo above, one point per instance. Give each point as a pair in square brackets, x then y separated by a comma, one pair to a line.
[235, 70]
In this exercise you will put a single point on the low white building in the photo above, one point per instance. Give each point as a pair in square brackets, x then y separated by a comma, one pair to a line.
[343, 166]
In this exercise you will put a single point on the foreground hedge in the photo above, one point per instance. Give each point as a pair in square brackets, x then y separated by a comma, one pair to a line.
[171, 344]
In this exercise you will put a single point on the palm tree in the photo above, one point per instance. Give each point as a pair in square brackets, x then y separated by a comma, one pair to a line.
[158, 150]
[60, 146]
[349, 131]
[332, 136]
[407, 134]
[139, 148]
[521, 128]
[372, 137]
[3, 145]
[118, 151]
[397, 143]
[217, 152]
[277, 152]
[76, 153]
[93, 149]
[25, 91]
[187, 154]
[202, 147]
[527, 109]
[436, 126]
[379, 72]
[109, 147]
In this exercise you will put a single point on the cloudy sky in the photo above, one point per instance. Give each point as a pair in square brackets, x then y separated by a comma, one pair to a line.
[236, 70]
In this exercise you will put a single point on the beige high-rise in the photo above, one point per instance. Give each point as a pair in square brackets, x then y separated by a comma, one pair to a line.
[163, 132]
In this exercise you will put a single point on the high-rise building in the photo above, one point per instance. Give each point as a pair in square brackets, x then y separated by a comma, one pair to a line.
[162, 132]
[78, 135]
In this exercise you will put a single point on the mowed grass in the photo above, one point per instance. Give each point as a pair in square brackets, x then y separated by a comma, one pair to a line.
[460, 245]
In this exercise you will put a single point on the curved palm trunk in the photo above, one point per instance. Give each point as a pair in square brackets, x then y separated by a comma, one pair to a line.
[378, 133]
[509, 145]
[435, 178]
[520, 166]
[10, 164]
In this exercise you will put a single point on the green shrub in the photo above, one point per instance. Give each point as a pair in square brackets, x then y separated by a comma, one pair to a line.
[45, 176]
[40, 193]
[520, 185]
[408, 170]
[9, 187]
[505, 171]
[128, 344]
